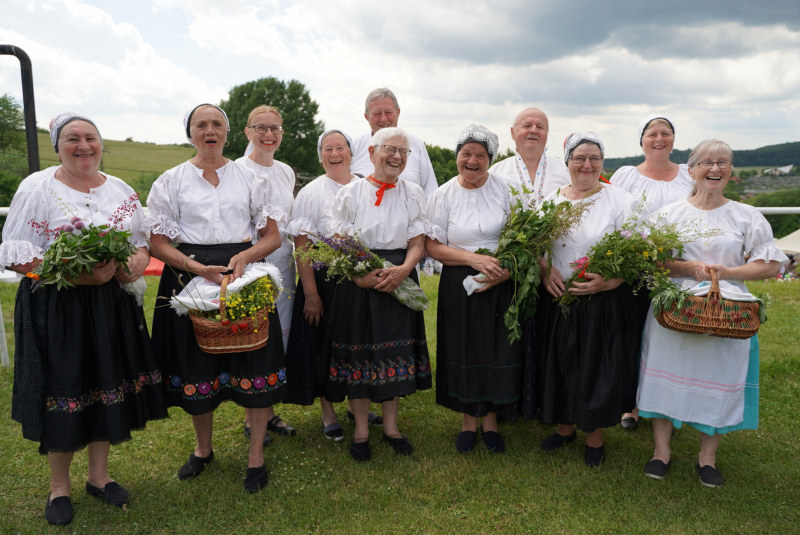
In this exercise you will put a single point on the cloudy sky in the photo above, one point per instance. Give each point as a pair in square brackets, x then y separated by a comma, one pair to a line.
[717, 68]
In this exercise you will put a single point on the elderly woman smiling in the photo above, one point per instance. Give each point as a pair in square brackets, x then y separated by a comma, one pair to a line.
[84, 372]
[478, 373]
[311, 213]
[710, 383]
[213, 209]
[588, 358]
[376, 346]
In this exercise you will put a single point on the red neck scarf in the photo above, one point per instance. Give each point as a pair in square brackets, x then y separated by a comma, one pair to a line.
[382, 189]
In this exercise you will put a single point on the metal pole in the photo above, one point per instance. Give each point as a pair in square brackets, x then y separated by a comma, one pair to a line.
[28, 104]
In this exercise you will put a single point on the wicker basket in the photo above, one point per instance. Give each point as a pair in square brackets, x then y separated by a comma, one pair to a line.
[214, 337]
[713, 315]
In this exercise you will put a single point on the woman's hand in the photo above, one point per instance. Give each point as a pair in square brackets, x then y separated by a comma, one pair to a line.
[102, 272]
[368, 281]
[313, 309]
[492, 282]
[488, 265]
[595, 285]
[237, 264]
[137, 263]
[391, 278]
[212, 273]
[552, 280]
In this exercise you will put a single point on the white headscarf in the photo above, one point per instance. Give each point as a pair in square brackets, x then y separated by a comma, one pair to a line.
[60, 121]
[326, 133]
[649, 119]
[573, 140]
[478, 133]
[187, 119]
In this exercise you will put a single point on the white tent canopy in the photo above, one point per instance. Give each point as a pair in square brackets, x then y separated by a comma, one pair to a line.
[790, 243]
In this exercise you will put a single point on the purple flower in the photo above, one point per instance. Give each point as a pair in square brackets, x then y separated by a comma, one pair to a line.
[75, 220]
[644, 236]
[625, 233]
[79, 225]
[317, 265]
[66, 227]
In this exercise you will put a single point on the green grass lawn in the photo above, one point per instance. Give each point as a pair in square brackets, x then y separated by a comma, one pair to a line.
[316, 488]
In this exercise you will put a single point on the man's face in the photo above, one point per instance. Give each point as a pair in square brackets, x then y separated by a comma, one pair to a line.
[530, 130]
[382, 114]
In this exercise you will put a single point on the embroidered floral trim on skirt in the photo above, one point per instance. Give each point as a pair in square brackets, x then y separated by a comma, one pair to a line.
[375, 346]
[306, 372]
[84, 367]
[477, 370]
[588, 362]
[198, 381]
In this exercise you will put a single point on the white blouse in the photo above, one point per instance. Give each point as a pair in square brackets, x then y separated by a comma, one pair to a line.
[400, 216]
[313, 209]
[611, 208]
[282, 179]
[469, 219]
[747, 232]
[552, 170]
[658, 193]
[39, 200]
[187, 209]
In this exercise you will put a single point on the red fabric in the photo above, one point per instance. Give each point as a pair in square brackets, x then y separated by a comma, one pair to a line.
[154, 267]
[382, 189]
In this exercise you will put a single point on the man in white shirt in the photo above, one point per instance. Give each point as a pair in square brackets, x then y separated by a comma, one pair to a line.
[530, 165]
[382, 111]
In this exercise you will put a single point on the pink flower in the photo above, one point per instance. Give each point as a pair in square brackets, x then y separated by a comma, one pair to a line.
[79, 225]
[75, 220]
[66, 227]
[625, 233]
[644, 236]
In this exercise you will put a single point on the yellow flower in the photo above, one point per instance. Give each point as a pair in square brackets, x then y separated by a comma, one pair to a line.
[660, 250]
[645, 254]
[610, 252]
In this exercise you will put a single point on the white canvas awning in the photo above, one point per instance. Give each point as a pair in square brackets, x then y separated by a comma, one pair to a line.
[790, 243]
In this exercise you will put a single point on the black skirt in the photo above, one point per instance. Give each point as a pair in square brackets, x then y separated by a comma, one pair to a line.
[198, 381]
[306, 372]
[477, 370]
[84, 367]
[588, 360]
[375, 346]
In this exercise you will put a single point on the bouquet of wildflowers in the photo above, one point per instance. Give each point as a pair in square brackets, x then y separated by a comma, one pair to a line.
[78, 246]
[347, 257]
[526, 237]
[632, 252]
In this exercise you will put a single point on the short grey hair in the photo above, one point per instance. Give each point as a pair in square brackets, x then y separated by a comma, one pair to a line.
[380, 137]
[702, 150]
[381, 92]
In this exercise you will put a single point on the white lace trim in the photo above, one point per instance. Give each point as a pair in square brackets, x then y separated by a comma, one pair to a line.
[18, 252]
[768, 252]
[156, 223]
[301, 226]
[438, 233]
[275, 213]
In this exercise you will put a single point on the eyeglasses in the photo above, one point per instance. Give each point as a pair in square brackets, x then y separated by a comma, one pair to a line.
[391, 150]
[707, 164]
[261, 129]
[594, 160]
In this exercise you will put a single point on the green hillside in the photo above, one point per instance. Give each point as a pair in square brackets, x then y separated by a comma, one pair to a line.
[768, 156]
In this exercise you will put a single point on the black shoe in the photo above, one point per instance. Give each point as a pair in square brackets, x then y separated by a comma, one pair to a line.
[113, 493]
[256, 479]
[373, 419]
[400, 445]
[465, 442]
[709, 476]
[594, 456]
[58, 511]
[494, 442]
[630, 423]
[555, 441]
[656, 469]
[285, 430]
[267, 439]
[194, 466]
[333, 431]
[359, 451]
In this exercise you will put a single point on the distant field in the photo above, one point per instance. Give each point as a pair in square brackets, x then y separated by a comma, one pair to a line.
[126, 159]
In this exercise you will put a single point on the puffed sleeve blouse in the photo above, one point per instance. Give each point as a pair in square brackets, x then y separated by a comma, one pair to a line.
[400, 216]
[612, 207]
[745, 232]
[658, 192]
[187, 209]
[42, 202]
[313, 209]
[470, 219]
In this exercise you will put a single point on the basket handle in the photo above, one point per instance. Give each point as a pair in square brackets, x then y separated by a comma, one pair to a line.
[714, 291]
[223, 291]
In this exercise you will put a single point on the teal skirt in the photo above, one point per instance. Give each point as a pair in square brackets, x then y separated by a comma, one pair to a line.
[750, 420]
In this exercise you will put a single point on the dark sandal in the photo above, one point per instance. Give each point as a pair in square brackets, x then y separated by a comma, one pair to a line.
[267, 439]
[333, 431]
[373, 419]
[286, 430]
[194, 466]
[400, 445]
[113, 493]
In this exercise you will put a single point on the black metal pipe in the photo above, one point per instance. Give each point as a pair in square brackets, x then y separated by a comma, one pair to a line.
[28, 104]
